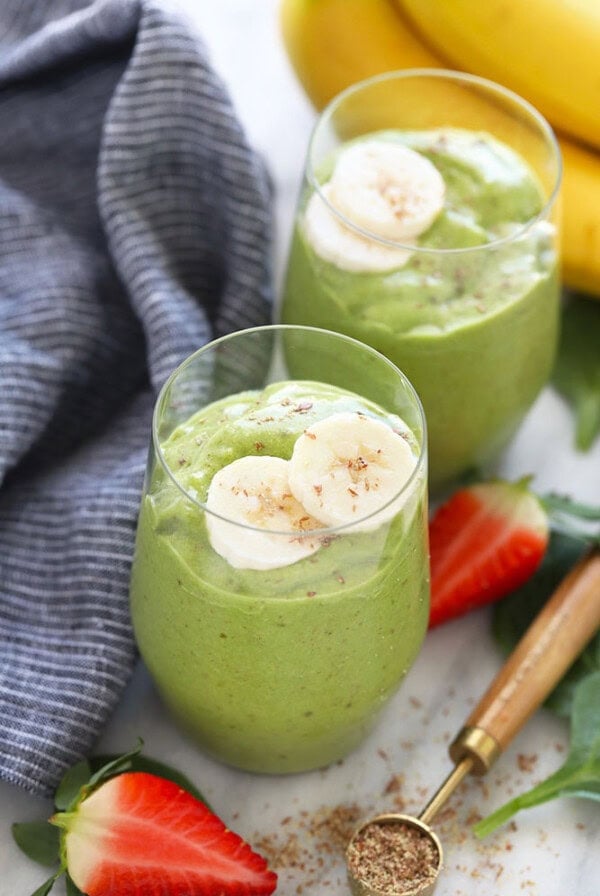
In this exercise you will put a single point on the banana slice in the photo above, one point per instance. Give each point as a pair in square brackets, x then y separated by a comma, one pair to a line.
[255, 492]
[388, 189]
[343, 247]
[348, 466]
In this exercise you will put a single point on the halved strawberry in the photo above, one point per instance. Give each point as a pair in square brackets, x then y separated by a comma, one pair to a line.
[485, 541]
[138, 834]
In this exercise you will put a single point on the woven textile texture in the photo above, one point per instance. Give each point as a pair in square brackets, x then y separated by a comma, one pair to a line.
[134, 228]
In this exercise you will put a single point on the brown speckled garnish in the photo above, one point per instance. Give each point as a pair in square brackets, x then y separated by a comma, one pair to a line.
[393, 857]
[526, 762]
[357, 464]
[329, 829]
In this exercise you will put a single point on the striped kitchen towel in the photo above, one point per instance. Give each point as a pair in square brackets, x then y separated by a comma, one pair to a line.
[134, 227]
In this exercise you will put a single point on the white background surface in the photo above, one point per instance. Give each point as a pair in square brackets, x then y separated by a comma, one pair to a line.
[554, 849]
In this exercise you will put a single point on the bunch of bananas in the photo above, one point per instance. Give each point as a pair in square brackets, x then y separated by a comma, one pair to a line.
[548, 51]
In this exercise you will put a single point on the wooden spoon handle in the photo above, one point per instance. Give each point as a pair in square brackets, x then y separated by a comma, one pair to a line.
[552, 642]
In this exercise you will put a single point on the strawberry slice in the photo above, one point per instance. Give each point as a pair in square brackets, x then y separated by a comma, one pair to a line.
[142, 835]
[485, 541]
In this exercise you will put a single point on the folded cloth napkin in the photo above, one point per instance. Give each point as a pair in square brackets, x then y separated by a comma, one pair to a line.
[134, 227]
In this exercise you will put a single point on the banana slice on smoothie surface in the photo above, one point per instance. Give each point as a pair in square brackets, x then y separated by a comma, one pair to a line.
[349, 466]
[387, 188]
[254, 492]
[345, 248]
[382, 187]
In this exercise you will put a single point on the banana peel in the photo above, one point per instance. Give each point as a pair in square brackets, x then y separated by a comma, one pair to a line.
[545, 50]
[581, 218]
[335, 43]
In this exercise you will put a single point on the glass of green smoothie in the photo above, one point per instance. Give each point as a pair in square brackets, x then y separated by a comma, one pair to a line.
[427, 227]
[280, 584]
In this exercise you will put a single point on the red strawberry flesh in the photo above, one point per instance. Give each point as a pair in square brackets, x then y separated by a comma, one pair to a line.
[141, 835]
[485, 541]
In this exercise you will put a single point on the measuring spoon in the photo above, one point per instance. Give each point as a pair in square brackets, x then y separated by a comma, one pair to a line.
[552, 642]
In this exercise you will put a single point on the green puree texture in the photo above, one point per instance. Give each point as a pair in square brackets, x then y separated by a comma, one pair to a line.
[286, 669]
[475, 332]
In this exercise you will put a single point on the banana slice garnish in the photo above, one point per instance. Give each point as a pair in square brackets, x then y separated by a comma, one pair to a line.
[255, 492]
[348, 466]
[387, 189]
[343, 247]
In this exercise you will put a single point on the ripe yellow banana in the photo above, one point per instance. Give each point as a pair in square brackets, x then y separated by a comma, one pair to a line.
[545, 50]
[581, 218]
[334, 43]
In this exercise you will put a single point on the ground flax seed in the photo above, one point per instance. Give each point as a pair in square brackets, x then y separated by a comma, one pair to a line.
[393, 857]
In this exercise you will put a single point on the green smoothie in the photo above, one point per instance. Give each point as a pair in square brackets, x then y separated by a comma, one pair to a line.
[474, 330]
[282, 669]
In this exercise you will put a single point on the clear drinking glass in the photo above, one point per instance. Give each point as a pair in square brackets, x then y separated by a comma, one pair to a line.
[279, 668]
[468, 308]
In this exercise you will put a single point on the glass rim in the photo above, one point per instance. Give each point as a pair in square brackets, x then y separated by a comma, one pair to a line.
[443, 74]
[325, 531]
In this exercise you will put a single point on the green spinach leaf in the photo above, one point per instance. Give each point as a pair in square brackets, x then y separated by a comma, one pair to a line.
[579, 776]
[577, 371]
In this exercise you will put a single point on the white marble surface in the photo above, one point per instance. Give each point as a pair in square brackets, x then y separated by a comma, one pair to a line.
[554, 849]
